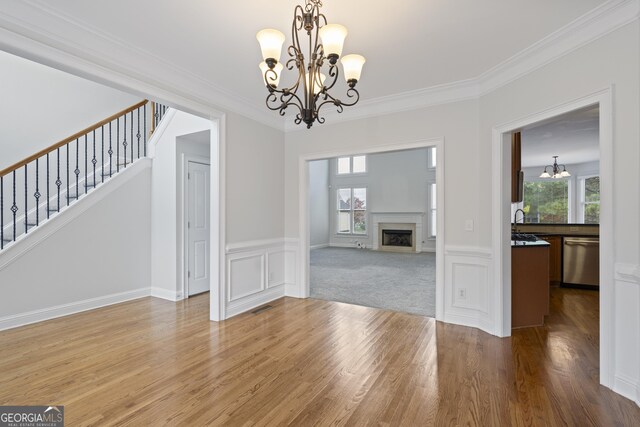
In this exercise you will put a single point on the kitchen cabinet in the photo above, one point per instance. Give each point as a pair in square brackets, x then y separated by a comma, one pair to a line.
[529, 283]
[516, 166]
[555, 258]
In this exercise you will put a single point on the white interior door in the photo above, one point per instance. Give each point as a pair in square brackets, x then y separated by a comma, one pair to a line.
[198, 234]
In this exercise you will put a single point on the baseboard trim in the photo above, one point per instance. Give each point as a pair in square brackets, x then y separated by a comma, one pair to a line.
[166, 294]
[245, 304]
[321, 246]
[62, 310]
[627, 387]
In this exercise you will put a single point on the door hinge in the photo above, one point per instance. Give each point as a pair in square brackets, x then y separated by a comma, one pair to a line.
[188, 274]
[188, 175]
[188, 224]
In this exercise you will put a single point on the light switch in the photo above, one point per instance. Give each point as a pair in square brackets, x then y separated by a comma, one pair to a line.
[468, 225]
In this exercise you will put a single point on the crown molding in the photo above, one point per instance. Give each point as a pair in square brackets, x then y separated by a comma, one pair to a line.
[33, 29]
[52, 38]
[597, 23]
[405, 101]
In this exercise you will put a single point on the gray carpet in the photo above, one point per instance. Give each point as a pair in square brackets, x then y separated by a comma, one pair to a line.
[394, 281]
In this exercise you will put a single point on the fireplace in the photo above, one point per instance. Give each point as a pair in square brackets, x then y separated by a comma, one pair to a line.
[397, 237]
[402, 238]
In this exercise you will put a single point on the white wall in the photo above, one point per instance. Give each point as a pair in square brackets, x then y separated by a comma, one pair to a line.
[82, 259]
[319, 203]
[166, 260]
[42, 106]
[395, 181]
[467, 128]
[256, 251]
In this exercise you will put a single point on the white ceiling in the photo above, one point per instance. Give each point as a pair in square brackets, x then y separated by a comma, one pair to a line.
[409, 44]
[574, 137]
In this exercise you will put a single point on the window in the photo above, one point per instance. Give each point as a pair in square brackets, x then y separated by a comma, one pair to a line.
[432, 210]
[547, 202]
[352, 165]
[352, 210]
[590, 200]
[431, 158]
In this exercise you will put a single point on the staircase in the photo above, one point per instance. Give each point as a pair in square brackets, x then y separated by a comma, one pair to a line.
[44, 184]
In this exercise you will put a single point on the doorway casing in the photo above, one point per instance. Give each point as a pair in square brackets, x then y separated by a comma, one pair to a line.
[303, 290]
[501, 206]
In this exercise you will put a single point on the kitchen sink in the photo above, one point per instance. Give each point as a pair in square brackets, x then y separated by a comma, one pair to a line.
[523, 237]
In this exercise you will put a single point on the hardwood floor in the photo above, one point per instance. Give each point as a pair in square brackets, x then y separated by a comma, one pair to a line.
[304, 362]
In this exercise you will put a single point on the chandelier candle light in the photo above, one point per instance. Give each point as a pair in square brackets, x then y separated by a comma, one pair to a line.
[325, 45]
[555, 170]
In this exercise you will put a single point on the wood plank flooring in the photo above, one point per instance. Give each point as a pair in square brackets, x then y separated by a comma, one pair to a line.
[309, 362]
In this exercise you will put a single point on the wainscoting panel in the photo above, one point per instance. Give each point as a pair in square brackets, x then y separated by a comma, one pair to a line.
[257, 273]
[468, 287]
[275, 268]
[246, 275]
[627, 296]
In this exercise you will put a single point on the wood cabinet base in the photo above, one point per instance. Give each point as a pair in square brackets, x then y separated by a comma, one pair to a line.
[529, 286]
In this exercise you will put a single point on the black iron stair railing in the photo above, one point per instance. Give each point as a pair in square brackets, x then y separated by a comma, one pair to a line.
[71, 168]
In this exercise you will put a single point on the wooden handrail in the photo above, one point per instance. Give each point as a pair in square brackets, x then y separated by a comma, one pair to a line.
[71, 138]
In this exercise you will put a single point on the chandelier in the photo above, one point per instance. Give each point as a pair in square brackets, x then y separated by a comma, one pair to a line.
[310, 92]
[556, 173]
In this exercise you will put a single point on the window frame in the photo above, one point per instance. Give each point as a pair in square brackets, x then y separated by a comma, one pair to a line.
[351, 172]
[432, 161]
[351, 211]
[570, 196]
[432, 208]
[582, 203]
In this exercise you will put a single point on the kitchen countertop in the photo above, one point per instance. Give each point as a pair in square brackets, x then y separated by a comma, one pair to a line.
[523, 244]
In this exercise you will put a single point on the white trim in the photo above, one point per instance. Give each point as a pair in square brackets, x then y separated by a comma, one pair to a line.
[35, 316]
[256, 300]
[627, 387]
[25, 242]
[233, 248]
[597, 23]
[301, 289]
[320, 246]
[183, 249]
[35, 30]
[156, 136]
[468, 251]
[165, 294]
[628, 273]
[502, 222]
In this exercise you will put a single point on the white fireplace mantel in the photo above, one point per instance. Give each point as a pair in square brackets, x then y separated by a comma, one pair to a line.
[398, 218]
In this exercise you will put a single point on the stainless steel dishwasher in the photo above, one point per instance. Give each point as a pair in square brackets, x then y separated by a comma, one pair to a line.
[581, 261]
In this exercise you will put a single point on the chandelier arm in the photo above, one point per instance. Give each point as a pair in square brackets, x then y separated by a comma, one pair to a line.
[334, 71]
[352, 93]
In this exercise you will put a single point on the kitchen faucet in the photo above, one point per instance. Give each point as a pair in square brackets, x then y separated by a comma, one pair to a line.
[515, 220]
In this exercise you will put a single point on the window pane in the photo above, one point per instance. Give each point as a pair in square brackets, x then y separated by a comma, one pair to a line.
[344, 199]
[592, 189]
[592, 213]
[433, 197]
[432, 157]
[359, 222]
[359, 164]
[547, 202]
[344, 222]
[344, 165]
[432, 224]
[359, 198]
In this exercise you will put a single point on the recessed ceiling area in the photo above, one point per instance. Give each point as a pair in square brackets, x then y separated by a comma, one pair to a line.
[574, 137]
[409, 45]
